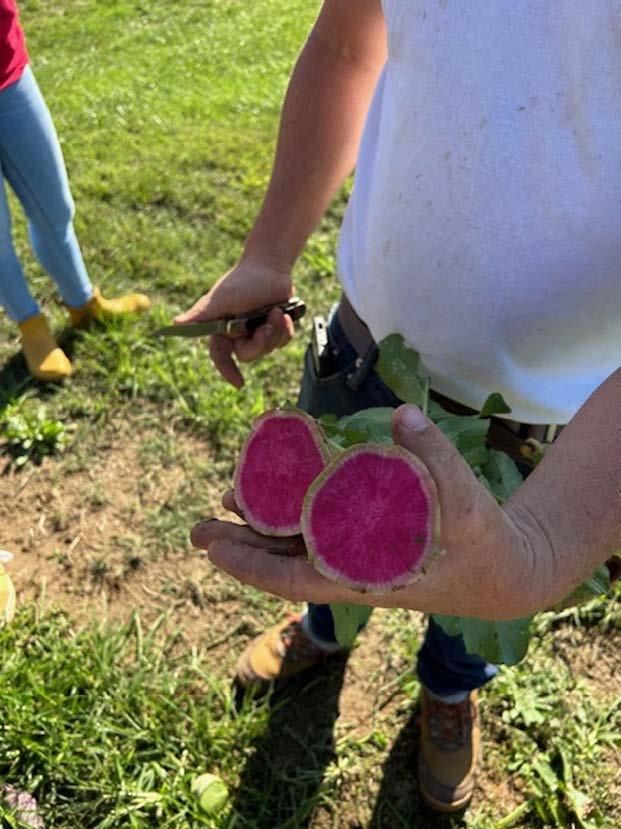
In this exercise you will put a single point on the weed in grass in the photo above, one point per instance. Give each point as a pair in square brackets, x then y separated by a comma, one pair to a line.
[29, 433]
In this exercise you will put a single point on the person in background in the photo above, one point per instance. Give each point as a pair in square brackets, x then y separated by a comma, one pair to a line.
[31, 162]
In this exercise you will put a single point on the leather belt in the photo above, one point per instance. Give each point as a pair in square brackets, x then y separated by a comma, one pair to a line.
[521, 441]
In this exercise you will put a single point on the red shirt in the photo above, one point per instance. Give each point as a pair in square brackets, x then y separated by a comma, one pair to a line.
[13, 55]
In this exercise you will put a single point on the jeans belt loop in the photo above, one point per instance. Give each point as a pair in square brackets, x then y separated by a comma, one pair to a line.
[363, 366]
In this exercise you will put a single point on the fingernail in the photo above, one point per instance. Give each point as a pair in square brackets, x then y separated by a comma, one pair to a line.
[413, 419]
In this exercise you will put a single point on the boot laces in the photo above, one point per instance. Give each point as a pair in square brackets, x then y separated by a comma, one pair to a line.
[450, 724]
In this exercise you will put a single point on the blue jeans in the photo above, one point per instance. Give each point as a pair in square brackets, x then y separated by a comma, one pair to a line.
[443, 665]
[31, 161]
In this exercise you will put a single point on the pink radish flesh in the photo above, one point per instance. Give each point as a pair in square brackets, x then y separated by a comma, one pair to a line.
[279, 461]
[370, 521]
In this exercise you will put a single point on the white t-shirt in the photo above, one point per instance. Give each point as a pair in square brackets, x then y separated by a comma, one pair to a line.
[485, 222]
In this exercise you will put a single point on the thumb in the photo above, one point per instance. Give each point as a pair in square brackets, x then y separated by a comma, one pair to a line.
[415, 432]
[204, 309]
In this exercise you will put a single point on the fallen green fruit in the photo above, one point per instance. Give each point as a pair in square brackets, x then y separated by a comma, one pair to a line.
[211, 793]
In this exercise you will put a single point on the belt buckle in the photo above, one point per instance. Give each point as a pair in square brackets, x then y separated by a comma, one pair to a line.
[538, 440]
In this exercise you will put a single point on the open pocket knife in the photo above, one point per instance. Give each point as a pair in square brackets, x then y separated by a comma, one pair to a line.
[240, 325]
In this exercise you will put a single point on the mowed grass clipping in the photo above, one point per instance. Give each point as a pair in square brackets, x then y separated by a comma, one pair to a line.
[167, 112]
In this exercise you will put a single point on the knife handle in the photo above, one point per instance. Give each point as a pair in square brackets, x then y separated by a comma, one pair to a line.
[295, 308]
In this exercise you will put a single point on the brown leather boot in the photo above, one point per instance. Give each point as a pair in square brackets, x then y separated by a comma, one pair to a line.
[450, 751]
[279, 654]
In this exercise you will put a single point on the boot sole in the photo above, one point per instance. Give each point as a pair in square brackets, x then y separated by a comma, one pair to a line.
[445, 808]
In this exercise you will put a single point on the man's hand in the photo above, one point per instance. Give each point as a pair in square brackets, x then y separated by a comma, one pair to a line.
[321, 124]
[487, 570]
[247, 286]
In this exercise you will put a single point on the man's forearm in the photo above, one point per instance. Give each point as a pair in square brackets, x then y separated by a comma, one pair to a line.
[322, 120]
[572, 502]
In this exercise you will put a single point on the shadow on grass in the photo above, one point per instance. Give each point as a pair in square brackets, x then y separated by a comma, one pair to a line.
[280, 785]
[399, 804]
[282, 782]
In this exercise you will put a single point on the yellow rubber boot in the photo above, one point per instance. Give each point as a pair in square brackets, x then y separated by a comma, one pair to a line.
[98, 307]
[45, 360]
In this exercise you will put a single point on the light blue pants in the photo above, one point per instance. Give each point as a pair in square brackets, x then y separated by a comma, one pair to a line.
[31, 161]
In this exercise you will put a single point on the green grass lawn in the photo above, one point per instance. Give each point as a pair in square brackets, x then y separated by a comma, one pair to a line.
[167, 112]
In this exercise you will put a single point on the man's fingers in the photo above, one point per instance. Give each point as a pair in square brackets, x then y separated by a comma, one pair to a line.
[283, 328]
[229, 503]
[294, 579]
[287, 331]
[221, 352]
[276, 332]
[205, 533]
[249, 349]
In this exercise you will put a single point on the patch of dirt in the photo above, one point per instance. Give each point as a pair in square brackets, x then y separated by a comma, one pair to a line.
[81, 539]
[592, 657]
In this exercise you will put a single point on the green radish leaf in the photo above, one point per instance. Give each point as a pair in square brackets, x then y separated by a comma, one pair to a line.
[367, 426]
[496, 642]
[351, 437]
[334, 434]
[495, 404]
[476, 456]
[372, 425]
[500, 475]
[329, 421]
[468, 433]
[436, 412]
[348, 620]
[398, 367]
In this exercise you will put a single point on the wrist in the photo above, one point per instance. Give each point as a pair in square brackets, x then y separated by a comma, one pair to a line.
[536, 585]
[270, 251]
[276, 267]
